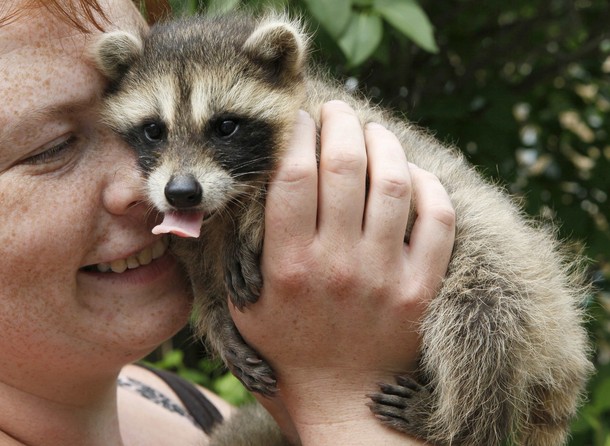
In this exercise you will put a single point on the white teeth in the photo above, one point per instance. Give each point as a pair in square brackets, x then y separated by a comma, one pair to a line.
[143, 257]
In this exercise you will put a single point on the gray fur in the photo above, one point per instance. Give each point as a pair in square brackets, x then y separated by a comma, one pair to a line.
[504, 356]
[250, 426]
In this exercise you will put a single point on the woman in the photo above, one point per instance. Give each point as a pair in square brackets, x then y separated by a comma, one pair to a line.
[72, 208]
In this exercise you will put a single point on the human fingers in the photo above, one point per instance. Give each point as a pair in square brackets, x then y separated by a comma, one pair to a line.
[291, 206]
[431, 242]
[389, 196]
[342, 183]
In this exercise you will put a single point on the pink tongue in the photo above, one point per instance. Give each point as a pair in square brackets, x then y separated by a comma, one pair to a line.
[182, 224]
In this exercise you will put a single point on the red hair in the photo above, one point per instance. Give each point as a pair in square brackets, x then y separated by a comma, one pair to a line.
[81, 13]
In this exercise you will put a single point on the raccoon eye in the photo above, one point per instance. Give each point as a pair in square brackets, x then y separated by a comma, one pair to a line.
[154, 132]
[226, 127]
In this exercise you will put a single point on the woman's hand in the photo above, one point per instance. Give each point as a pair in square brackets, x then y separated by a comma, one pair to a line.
[343, 294]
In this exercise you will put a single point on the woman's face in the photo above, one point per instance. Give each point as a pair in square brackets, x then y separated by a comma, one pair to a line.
[70, 200]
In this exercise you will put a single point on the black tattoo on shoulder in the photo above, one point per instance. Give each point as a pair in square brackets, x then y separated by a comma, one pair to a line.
[153, 395]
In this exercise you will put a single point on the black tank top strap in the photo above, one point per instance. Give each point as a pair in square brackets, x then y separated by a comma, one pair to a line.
[205, 414]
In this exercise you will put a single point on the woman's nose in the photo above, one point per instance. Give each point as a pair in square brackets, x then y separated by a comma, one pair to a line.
[124, 188]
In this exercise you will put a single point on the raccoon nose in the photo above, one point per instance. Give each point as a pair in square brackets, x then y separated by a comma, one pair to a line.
[183, 191]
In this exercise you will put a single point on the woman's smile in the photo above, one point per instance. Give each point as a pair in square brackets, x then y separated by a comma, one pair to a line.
[141, 258]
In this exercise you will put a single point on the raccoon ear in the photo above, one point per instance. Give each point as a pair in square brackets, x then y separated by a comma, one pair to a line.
[280, 46]
[114, 52]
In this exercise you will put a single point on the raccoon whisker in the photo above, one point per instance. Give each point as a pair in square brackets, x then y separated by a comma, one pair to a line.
[248, 191]
[226, 215]
[150, 211]
[257, 160]
[258, 173]
[239, 170]
[250, 162]
[257, 180]
[237, 202]
[255, 185]
[241, 202]
[133, 205]
[142, 192]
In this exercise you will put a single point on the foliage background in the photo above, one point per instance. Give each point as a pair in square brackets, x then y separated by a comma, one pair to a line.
[522, 87]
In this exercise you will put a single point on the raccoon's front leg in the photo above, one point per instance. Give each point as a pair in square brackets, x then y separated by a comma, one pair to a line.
[243, 361]
[243, 245]
[242, 277]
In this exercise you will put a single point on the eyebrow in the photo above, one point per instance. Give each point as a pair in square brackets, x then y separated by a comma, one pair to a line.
[42, 114]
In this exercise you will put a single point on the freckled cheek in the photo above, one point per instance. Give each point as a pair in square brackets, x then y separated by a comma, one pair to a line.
[45, 230]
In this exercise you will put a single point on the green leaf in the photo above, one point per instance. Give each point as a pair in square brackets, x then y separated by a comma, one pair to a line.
[172, 359]
[587, 418]
[602, 396]
[183, 7]
[410, 19]
[231, 390]
[222, 6]
[361, 37]
[332, 15]
[193, 375]
[269, 4]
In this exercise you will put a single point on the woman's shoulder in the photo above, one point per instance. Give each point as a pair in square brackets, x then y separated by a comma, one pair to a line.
[158, 407]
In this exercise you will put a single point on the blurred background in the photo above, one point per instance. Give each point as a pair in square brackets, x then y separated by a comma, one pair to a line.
[521, 87]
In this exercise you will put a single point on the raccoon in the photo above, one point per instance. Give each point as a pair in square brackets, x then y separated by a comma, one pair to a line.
[208, 104]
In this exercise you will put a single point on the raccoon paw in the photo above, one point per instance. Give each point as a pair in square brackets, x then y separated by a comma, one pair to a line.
[253, 372]
[243, 281]
[401, 406]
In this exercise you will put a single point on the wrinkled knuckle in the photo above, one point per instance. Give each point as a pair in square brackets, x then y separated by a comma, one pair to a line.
[292, 266]
[290, 274]
[445, 215]
[344, 161]
[295, 173]
[395, 185]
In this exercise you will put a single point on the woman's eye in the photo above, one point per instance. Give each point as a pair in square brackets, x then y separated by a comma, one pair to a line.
[52, 151]
[226, 127]
[154, 132]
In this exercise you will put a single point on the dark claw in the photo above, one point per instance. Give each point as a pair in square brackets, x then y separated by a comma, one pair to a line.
[403, 392]
[400, 406]
[253, 372]
[410, 383]
[384, 419]
[256, 380]
[268, 380]
[389, 416]
[389, 400]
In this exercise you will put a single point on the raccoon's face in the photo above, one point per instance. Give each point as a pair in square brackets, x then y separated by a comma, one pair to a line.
[208, 106]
